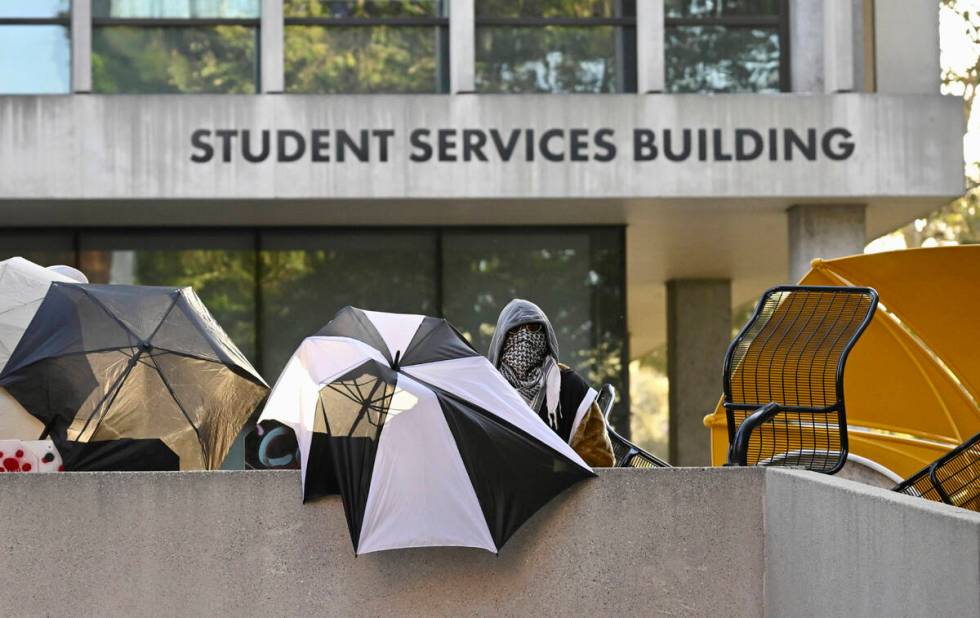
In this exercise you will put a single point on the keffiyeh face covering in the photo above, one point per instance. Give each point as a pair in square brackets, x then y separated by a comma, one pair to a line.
[521, 362]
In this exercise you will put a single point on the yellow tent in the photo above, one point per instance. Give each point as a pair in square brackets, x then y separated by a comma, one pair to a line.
[912, 382]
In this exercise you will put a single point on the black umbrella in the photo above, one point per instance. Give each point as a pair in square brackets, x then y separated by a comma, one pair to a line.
[133, 364]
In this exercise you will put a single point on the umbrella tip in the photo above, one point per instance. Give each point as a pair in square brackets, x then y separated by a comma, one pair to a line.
[816, 262]
[398, 357]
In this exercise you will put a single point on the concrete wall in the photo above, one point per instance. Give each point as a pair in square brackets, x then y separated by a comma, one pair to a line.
[140, 147]
[689, 542]
[243, 544]
[907, 46]
[868, 551]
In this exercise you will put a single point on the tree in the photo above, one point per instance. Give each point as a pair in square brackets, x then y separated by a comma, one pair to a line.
[959, 221]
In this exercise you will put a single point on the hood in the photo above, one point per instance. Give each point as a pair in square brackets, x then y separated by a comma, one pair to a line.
[516, 313]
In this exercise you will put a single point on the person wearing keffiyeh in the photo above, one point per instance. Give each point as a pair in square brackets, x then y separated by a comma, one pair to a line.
[524, 348]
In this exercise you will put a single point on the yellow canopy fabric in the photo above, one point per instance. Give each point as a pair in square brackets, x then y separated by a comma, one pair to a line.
[912, 382]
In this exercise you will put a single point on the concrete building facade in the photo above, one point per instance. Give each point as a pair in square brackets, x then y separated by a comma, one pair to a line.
[638, 168]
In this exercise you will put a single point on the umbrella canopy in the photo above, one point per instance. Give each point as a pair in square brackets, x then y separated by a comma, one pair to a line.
[912, 383]
[119, 362]
[23, 285]
[425, 441]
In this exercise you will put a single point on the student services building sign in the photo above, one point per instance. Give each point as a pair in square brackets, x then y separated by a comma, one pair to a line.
[477, 147]
[516, 145]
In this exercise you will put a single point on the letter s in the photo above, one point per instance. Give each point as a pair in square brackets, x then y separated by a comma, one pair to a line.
[198, 141]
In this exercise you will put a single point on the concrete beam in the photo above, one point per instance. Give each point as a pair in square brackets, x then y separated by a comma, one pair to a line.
[699, 328]
[81, 46]
[907, 46]
[462, 46]
[824, 231]
[271, 47]
[650, 64]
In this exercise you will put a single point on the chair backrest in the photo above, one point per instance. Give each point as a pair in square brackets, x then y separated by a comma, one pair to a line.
[954, 478]
[627, 454]
[792, 352]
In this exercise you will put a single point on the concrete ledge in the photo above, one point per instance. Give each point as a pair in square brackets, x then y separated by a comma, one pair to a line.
[668, 542]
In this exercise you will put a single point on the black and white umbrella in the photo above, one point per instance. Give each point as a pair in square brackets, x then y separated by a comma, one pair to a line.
[425, 441]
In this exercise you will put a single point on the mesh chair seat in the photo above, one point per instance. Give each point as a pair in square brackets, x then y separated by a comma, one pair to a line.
[784, 377]
[954, 478]
[627, 454]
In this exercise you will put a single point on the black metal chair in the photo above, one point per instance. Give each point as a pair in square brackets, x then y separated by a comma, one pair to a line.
[628, 455]
[784, 377]
[954, 478]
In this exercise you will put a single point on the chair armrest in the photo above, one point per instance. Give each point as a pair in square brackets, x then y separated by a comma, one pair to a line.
[738, 452]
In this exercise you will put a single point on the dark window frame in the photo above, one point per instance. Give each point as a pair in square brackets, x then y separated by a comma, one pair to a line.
[624, 23]
[780, 22]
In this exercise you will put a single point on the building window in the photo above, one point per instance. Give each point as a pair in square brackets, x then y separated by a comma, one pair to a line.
[35, 47]
[727, 45]
[366, 46]
[558, 46]
[271, 288]
[171, 46]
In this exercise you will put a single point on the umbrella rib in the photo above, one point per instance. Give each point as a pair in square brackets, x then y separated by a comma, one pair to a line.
[364, 408]
[165, 316]
[197, 432]
[108, 312]
[113, 391]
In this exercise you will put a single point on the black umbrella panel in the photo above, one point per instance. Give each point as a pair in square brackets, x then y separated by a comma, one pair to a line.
[422, 437]
[120, 362]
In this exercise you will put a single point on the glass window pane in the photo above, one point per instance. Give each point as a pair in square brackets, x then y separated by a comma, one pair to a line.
[365, 8]
[34, 8]
[576, 277]
[238, 9]
[308, 277]
[548, 59]
[719, 59]
[720, 8]
[220, 268]
[218, 59]
[44, 248]
[365, 59]
[34, 60]
[555, 8]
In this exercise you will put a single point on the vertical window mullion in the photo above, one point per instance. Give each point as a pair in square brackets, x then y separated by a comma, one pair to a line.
[270, 47]
[81, 46]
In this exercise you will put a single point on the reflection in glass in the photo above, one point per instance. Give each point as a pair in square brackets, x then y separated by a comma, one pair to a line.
[34, 8]
[719, 8]
[719, 59]
[548, 59]
[365, 59]
[218, 59]
[555, 8]
[308, 277]
[576, 277]
[220, 268]
[34, 60]
[176, 8]
[365, 8]
[44, 248]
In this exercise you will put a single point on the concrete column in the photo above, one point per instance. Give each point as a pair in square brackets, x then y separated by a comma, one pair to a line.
[838, 46]
[806, 46]
[81, 46]
[907, 46]
[824, 231]
[462, 46]
[271, 47]
[650, 41]
[699, 328]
